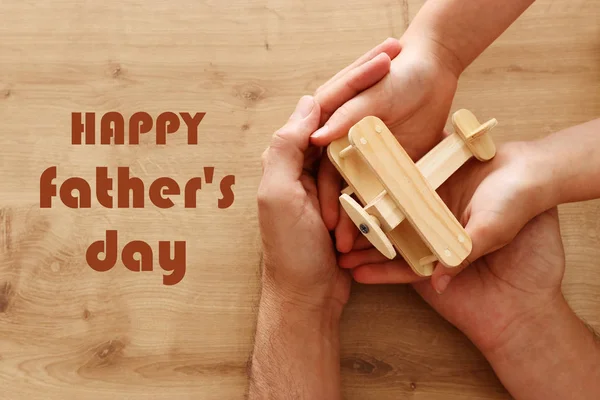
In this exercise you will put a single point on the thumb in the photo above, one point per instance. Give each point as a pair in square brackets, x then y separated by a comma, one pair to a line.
[284, 159]
[345, 117]
[483, 239]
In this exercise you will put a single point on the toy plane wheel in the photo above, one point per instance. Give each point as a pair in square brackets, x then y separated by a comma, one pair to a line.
[368, 226]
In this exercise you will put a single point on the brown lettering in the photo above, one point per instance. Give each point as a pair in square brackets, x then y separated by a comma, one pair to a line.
[192, 125]
[157, 193]
[77, 128]
[175, 264]
[47, 188]
[112, 125]
[227, 200]
[140, 122]
[141, 248]
[109, 249]
[84, 200]
[103, 185]
[125, 184]
[191, 190]
[167, 122]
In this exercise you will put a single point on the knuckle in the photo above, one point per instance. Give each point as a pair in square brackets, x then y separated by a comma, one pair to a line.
[343, 112]
[263, 198]
[269, 199]
[280, 140]
[264, 158]
[350, 82]
[319, 89]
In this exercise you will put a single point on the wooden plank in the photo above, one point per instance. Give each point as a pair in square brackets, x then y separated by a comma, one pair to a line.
[246, 63]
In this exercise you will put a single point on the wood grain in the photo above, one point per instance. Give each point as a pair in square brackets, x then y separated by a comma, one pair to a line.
[68, 332]
[418, 201]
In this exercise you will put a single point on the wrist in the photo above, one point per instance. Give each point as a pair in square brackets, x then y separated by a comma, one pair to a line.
[324, 288]
[318, 306]
[553, 170]
[430, 47]
[540, 179]
[547, 352]
[294, 340]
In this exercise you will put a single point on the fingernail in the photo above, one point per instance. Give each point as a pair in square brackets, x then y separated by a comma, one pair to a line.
[443, 282]
[304, 107]
[320, 132]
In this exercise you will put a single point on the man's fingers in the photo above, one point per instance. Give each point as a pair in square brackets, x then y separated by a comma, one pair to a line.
[390, 46]
[284, 159]
[351, 84]
[356, 258]
[393, 271]
[361, 243]
[329, 184]
[345, 233]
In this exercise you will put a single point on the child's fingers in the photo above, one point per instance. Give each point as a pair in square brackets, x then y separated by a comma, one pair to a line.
[345, 232]
[356, 258]
[348, 114]
[392, 271]
[354, 82]
[390, 46]
[486, 237]
[329, 184]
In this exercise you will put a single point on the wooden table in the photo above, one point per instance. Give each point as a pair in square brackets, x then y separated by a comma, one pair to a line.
[69, 332]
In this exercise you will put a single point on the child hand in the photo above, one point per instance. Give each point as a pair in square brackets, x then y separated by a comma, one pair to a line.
[493, 200]
[413, 100]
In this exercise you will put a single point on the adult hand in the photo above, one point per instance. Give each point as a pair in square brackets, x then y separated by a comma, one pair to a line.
[517, 283]
[510, 305]
[298, 253]
[413, 100]
[299, 259]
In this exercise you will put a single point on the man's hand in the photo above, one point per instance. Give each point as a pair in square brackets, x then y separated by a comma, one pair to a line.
[510, 305]
[296, 349]
[299, 259]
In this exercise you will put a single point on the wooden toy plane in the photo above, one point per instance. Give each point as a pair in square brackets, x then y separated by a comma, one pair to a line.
[400, 207]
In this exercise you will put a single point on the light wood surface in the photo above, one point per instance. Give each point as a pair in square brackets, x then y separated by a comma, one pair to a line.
[68, 332]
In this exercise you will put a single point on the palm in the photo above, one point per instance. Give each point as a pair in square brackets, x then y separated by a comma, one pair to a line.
[491, 215]
[413, 100]
[525, 275]
[317, 240]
